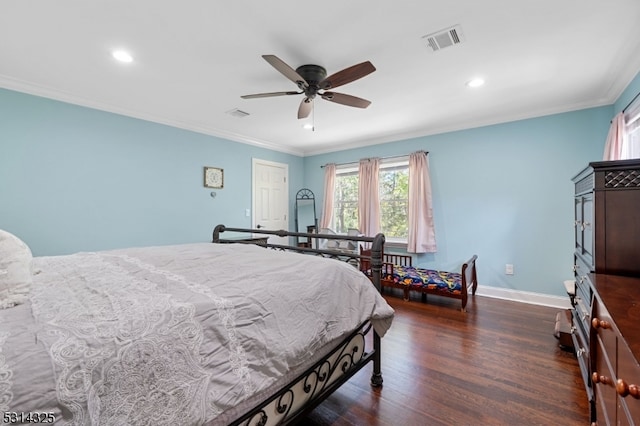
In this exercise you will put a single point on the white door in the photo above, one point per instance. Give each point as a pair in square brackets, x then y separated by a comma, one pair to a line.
[271, 198]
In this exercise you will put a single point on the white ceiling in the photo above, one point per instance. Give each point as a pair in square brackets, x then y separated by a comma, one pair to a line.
[194, 58]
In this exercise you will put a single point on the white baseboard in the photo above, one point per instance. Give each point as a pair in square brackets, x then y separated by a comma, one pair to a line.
[524, 297]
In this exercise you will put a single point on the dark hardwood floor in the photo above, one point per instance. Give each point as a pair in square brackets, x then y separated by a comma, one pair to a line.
[496, 364]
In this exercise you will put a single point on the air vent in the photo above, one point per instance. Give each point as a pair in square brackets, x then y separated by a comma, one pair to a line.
[237, 113]
[444, 38]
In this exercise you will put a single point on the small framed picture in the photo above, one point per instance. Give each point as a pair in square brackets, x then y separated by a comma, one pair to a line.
[213, 177]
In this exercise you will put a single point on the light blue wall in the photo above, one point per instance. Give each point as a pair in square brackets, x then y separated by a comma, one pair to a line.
[74, 178]
[503, 192]
[77, 179]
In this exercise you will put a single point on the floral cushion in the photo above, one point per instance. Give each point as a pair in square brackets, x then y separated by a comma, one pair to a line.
[419, 279]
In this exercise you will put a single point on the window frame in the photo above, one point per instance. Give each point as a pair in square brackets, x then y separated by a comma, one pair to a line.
[631, 127]
[344, 170]
[399, 162]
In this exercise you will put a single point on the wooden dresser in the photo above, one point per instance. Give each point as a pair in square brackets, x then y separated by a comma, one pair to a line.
[615, 349]
[607, 244]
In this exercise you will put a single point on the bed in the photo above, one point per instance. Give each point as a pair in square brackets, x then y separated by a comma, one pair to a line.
[192, 334]
[398, 272]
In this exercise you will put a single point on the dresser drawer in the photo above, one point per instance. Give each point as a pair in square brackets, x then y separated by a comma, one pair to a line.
[581, 276]
[584, 295]
[602, 327]
[604, 382]
[628, 386]
[582, 315]
[581, 346]
[582, 269]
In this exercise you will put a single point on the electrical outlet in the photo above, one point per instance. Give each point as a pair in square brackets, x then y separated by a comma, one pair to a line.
[247, 212]
[508, 269]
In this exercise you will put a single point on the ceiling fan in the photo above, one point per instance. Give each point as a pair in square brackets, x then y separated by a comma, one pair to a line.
[312, 81]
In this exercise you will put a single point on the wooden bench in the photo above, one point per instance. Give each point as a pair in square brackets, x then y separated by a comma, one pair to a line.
[398, 272]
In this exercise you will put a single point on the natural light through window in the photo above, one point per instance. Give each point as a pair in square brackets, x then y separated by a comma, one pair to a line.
[631, 138]
[345, 202]
[394, 199]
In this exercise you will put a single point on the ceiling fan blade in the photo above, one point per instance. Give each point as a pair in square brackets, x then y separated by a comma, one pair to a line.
[286, 70]
[347, 75]
[305, 108]
[268, 95]
[341, 98]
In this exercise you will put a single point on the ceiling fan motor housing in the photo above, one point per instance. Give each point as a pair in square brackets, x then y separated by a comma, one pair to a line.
[313, 75]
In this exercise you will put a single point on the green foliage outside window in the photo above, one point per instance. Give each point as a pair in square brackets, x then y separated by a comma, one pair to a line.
[394, 202]
[345, 202]
[394, 191]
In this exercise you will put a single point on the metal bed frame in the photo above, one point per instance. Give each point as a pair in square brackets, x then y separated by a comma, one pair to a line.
[292, 402]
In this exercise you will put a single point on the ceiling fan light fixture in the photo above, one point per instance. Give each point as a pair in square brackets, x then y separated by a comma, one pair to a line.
[122, 56]
[308, 126]
[475, 82]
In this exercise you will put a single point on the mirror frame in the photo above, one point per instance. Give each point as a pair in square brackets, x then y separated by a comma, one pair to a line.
[306, 194]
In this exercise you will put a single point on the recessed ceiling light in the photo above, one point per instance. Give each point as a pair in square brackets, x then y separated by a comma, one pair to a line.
[308, 126]
[122, 56]
[476, 82]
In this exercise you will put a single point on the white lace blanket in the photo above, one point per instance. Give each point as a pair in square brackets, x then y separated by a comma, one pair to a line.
[175, 335]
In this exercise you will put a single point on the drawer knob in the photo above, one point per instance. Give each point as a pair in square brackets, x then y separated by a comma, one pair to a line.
[624, 389]
[595, 378]
[596, 323]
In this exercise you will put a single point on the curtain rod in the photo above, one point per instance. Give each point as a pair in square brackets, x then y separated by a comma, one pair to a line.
[628, 105]
[382, 158]
[632, 101]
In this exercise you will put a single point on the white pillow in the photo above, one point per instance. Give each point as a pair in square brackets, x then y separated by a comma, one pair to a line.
[16, 272]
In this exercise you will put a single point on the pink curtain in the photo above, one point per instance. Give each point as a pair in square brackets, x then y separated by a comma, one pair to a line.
[329, 189]
[422, 235]
[613, 147]
[369, 197]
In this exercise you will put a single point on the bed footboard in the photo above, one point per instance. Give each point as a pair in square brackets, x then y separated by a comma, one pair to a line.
[375, 258]
[302, 395]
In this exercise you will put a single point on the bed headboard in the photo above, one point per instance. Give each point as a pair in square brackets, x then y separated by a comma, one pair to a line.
[352, 257]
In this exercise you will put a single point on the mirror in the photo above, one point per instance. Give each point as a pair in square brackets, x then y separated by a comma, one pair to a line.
[305, 212]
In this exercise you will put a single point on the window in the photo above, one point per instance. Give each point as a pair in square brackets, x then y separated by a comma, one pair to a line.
[345, 199]
[631, 138]
[394, 199]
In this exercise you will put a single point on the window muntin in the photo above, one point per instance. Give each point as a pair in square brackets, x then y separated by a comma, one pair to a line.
[394, 199]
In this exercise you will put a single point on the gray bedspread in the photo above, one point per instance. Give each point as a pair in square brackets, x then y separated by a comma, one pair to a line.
[173, 335]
